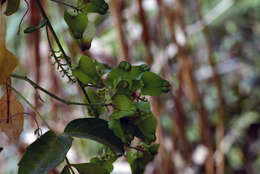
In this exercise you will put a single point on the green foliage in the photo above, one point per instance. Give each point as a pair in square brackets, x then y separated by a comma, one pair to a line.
[113, 97]
[86, 71]
[95, 129]
[139, 159]
[32, 29]
[93, 6]
[90, 168]
[154, 84]
[77, 22]
[96, 97]
[147, 126]
[44, 154]
[116, 127]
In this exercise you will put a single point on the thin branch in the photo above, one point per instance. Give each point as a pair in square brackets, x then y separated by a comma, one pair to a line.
[60, 66]
[31, 106]
[53, 32]
[36, 86]
[64, 53]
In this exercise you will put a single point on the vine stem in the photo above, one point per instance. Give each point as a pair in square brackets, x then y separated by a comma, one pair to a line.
[63, 52]
[38, 114]
[53, 32]
[36, 86]
[31, 106]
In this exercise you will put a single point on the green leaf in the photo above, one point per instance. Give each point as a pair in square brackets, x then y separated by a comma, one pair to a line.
[124, 72]
[86, 71]
[114, 77]
[66, 170]
[107, 164]
[12, 7]
[154, 84]
[35, 28]
[95, 97]
[116, 127]
[123, 103]
[143, 107]
[95, 6]
[95, 129]
[89, 168]
[77, 22]
[89, 33]
[122, 114]
[44, 154]
[147, 126]
[139, 160]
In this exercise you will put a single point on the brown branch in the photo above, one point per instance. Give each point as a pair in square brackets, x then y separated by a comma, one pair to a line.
[34, 42]
[186, 66]
[180, 118]
[116, 8]
[221, 101]
[145, 33]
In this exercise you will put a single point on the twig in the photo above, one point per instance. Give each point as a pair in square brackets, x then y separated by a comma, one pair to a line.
[31, 106]
[63, 52]
[53, 32]
[36, 86]
[37, 113]
[60, 66]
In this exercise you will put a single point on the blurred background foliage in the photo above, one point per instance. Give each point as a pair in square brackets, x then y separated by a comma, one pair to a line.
[207, 49]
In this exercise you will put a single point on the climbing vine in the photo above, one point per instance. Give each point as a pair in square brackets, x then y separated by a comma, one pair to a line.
[115, 98]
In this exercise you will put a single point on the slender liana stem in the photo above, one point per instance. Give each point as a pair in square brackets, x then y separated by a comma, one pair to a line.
[36, 86]
[60, 66]
[37, 113]
[31, 106]
[64, 53]
[53, 32]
